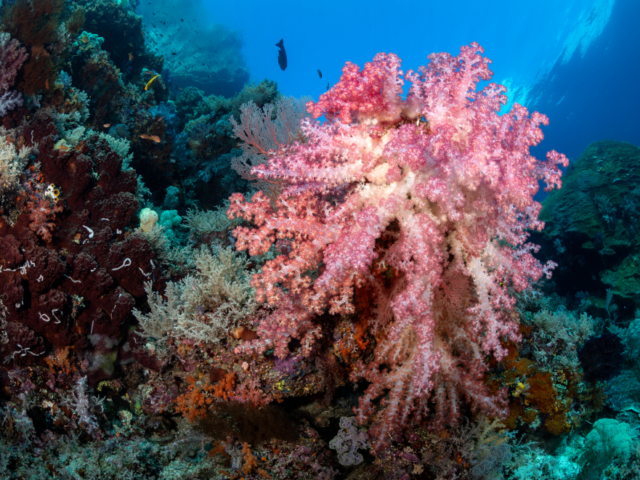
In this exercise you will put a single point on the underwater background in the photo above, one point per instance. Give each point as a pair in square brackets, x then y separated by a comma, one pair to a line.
[337, 240]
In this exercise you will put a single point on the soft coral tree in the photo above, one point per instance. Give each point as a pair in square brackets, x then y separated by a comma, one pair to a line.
[451, 182]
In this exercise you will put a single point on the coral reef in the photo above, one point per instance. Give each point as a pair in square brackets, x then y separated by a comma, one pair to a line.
[389, 319]
[123, 35]
[593, 221]
[72, 275]
[197, 54]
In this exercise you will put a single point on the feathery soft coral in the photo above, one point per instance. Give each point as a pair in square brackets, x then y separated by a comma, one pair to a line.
[454, 182]
[12, 56]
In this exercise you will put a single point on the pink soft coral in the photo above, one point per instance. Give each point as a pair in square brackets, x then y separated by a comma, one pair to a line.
[454, 181]
[43, 218]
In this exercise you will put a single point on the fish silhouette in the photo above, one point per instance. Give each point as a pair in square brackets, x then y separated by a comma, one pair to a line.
[320, 73]
[282, 55]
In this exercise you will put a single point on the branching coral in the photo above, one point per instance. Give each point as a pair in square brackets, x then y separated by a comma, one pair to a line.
[34, 22]
[453, 182]
[12, 56]
[203, 307]
[13, 160]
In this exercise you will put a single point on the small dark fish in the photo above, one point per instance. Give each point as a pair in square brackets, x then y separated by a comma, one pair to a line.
[327, 85]
[282, 55]
[181, 20]
[320, 73]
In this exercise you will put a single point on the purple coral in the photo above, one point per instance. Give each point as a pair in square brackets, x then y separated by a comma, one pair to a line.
[350, 438]
[9, 100]
[287, 365]
[12, 56]
[82, 406]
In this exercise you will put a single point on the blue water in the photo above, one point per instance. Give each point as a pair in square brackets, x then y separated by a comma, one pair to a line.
[574, 61]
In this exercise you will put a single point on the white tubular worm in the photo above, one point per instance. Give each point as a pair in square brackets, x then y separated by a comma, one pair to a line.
[126, 263]
[145, 274]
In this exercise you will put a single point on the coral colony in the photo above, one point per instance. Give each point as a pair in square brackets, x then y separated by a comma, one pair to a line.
[428, 219]
[230, 287]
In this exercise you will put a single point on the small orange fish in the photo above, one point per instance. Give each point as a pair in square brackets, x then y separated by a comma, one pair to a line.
[155, 138]
[145, 136]
[106, 125]
[46, 83]
[130, 57]
[159, 118]
[84, 38]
